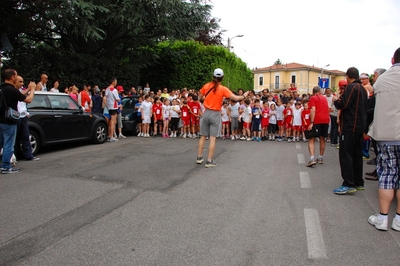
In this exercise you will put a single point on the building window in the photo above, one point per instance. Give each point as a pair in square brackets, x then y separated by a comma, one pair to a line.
[294, 79]
[276, 82]
[261, 81]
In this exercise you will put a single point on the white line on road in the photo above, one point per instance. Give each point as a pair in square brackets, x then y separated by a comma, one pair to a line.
[305, 180]
[298, 146]
[315, 240]
[301, 159]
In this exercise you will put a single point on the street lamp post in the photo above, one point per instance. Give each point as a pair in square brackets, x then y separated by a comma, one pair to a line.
[230, 40]
[229, 48]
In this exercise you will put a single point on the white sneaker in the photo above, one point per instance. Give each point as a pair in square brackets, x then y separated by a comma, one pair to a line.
[121, 136]
[115, 135]
[113, 140]
[396, 225]
[175, 135]
[140, 134]
[189, 135]
[184, 136]
[379, 224]
[233, 137]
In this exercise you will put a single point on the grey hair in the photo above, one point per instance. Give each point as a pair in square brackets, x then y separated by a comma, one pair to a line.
[316, 89]
[380, 71]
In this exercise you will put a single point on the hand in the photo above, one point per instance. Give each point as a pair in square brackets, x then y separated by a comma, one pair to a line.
[310, 127]
[32, 86]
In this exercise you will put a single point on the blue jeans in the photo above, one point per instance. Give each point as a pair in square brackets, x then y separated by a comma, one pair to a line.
[7, 141]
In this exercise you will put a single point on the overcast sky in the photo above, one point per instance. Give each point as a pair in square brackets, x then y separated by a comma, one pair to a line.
[342, 33]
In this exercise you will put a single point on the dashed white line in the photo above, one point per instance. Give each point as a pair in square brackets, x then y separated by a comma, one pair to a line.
[305, 180]
[301, 159]
[315, 240]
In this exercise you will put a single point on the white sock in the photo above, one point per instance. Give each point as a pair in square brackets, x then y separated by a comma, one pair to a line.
[397, 217]
[382, 217]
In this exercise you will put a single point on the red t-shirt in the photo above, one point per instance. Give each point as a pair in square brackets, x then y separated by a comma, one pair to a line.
[157, 111]
[85, 101]
[185, 112]
[265, 117]
[195, 108]
[305, 117]
[287, 113]
[321, 109]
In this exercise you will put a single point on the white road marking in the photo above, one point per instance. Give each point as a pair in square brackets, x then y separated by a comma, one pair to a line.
[301, 159]
[298, 146]
[305, 180]
[315, 240]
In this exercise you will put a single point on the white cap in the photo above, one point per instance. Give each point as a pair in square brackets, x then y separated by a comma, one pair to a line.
[218, 73]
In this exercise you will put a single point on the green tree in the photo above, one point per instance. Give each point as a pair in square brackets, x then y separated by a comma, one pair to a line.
[92, 40]
[190, 64]
[278, 62]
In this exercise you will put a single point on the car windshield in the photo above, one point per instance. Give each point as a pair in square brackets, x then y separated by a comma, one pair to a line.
[129, 103]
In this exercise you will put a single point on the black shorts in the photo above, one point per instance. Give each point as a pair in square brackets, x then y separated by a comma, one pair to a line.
[159, 122]
[139, 119]
[113, 112]
[322, 130]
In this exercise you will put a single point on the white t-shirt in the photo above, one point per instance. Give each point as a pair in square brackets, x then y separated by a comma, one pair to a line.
[166, 111]
[146, 108]
[146, 90]
[246, 114]
[234, 109]
[297, 117]
[112, 98]
[279, 112]
[54, 90]
[173, 113]
[272, 118]
[224, 114]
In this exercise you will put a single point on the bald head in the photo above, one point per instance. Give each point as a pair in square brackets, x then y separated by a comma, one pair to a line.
[44, 78]
[19, 82]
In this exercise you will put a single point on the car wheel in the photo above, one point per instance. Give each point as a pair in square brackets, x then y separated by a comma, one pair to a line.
[100, 133]
[34, 141]
[136, 130]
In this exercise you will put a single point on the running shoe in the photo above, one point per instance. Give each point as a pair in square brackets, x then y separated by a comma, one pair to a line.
[345, 190]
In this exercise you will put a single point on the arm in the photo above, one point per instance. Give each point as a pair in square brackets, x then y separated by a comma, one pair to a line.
[345, 98]
[238, 97]
[31, 89]
[312, 116]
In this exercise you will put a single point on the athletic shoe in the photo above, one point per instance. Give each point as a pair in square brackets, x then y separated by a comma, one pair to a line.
[320, 160]
[113, 140]
[280, 139]
[248, 139]
[289, 140]
[242, 138]
[253, 138]
[223, 137]
[188, 135]
[344, 190]
[33, 159]
[115, 135]
[360, 187]
[379, 224]
[11, 170]
[365, 158]
[121, 136]
[396, 225]
[199, 160]
[372, 162]
[184, 136]
[258, 139]
[232, 137]
[210, 164]
[311, 163]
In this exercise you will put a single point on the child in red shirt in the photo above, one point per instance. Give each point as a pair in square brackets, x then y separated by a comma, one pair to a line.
[265, 121]
[195, 114]
[305, 116]
[288, 116]
[157, 116]
[185, 116]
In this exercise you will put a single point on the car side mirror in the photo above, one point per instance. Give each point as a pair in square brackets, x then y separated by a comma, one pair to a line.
[80, 109]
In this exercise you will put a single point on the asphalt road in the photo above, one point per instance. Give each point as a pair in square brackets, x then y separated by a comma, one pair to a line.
[144, 201]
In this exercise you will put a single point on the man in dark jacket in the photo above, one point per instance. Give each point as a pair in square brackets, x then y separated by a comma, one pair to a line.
[353, 120]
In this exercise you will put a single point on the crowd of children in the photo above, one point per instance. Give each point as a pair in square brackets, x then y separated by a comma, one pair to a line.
[251, 119]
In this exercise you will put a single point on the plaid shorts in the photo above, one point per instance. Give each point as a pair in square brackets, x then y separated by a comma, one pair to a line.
[387, 165]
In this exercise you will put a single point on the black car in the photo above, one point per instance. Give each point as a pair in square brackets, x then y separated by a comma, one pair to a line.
[129, 115]
[57, 118]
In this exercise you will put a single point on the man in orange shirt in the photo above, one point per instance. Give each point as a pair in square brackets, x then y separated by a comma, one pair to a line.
[213, 94]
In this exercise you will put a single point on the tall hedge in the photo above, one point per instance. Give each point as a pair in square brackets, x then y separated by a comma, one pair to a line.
[190, 64]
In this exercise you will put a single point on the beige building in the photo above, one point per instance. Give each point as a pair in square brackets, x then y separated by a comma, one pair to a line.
[279, 77]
